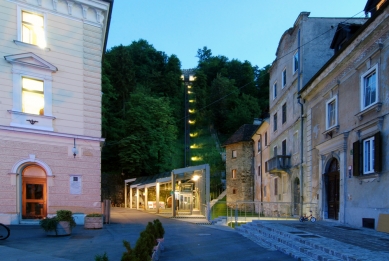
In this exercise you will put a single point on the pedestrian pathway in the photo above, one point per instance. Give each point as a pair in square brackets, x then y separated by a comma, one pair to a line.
[183, 241]
[319, 241]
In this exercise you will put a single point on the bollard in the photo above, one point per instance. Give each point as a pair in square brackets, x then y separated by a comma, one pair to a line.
[107, 210]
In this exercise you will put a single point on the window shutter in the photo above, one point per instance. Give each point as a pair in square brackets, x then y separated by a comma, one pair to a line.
[377, 152]
[356, 158]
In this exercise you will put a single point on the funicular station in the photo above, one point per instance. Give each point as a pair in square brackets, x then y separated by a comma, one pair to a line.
[182, 192]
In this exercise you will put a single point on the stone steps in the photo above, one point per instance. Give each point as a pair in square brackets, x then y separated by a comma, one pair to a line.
[296, 243]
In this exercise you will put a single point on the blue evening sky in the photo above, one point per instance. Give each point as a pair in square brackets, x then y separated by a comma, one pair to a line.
[238, 29]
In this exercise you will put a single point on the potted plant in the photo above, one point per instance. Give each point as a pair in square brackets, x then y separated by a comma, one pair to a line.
[93, 221]
[59, 225]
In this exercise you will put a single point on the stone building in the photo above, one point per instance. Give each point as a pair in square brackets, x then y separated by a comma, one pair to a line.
[239, 164]
[50, 104]
[347, 127]
[303, 49]
[261, 155]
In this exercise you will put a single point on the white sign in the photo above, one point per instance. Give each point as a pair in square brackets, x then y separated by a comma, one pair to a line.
[75, 185]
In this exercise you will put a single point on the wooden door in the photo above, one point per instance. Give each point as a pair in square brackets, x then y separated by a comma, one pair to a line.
[333, 191]
[34, 198]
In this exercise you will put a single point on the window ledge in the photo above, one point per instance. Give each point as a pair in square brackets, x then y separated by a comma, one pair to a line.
[31, 45]
[331, 131]
[376, 107]
[29, 114]
[368, 177]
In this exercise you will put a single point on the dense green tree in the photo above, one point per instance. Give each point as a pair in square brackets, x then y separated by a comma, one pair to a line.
[142, 103]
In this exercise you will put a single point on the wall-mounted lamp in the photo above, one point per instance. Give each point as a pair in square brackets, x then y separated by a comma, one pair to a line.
[74, 150]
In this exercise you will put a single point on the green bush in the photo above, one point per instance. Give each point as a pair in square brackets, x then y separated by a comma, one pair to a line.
[104, 257]
[129, 255]
[94, 215]
[50, 224]
[159, 230]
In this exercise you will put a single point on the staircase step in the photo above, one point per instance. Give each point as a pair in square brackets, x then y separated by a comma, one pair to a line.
[298, 244]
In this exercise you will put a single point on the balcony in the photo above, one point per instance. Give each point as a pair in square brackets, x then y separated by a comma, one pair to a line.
[277, 164]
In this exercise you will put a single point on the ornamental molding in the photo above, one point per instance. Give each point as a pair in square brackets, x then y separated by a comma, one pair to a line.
[93, 12]
[31, 60]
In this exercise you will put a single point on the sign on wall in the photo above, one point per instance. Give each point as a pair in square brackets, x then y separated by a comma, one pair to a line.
[75, 184]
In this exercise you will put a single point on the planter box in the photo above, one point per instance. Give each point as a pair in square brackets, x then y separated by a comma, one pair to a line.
[63, 229]
[161, 244]
[93, 222]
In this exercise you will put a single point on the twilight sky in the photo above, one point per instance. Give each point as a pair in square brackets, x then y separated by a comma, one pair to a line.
[238, 29]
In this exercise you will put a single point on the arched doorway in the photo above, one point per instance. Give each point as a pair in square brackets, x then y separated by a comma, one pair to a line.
[332, 188]
[296, 196]
[34, 192]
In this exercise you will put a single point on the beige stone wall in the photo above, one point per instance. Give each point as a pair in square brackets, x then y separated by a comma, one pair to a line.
[364, 196]
[56, 153]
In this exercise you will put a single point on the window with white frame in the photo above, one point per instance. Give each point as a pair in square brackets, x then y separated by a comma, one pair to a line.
[295, 62]
[283, 78]
[274, 90]
[369, 88]
[368, 155]
[275, 122]
[32, 28]
[332, 113]
[233, 174]
[234, 154]
[32, 92]
[32, 96]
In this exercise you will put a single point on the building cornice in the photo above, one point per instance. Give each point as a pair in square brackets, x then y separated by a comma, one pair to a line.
[50, 133]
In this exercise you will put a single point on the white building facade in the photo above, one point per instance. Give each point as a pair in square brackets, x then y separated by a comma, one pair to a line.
[50, 107]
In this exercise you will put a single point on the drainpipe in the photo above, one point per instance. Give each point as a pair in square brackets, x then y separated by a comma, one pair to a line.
[301, 128]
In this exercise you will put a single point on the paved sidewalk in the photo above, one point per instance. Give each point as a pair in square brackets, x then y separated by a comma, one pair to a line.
[183, 241]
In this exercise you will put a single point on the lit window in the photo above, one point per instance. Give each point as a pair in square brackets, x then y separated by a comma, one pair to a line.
[32, 96]
[368, 156]
[295, 61]
[283, 78]
[234, 154]
[331, 113]
[32, 30]
[234, 174]
[369, 88]
[274, 90]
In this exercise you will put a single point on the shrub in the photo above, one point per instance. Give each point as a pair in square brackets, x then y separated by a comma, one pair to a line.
[104, 257]
[160, 231]
[50, 224]
[94, 215]
[129, 255]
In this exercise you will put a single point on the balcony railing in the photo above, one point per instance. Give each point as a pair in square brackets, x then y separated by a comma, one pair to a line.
[278, 163]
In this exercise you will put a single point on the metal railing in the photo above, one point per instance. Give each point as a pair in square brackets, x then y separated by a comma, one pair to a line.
[247, 211]
[278, 163]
